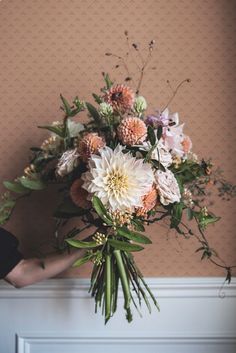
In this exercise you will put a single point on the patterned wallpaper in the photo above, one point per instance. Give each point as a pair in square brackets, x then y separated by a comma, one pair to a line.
[57, 46]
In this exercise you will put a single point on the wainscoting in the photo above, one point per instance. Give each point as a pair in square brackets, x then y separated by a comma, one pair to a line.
[57, 316]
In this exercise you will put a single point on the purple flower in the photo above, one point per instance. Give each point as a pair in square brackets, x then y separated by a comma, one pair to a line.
[161, 119]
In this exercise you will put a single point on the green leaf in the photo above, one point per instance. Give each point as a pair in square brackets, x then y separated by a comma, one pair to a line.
[121, 245]
[82, 260]
[209, 219]
[56, 129]
[108, 81]
[138, 225]
[151, 135]
[15, 187]
[6, 208]
[93, 112]
[159, 132]
[101, 210]
[66, 106]
[176, 214]
[190, 213]
[67, 209]
[82, 244]
[32, 184]
[97, 98]
[137, 237]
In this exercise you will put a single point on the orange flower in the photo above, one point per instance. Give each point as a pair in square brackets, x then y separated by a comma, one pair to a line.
[90, 144]
[186, 144]
[79, 195]
[120, 97]
[131, 131]
[149, 202]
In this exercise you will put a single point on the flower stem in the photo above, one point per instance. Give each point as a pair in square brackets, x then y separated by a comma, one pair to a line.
[124, 283]
[107, 288]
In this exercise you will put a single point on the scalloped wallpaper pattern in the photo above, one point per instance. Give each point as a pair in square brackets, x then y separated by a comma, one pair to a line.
[53, 46]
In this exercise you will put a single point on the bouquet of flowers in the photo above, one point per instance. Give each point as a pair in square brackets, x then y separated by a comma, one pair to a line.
[118, 172]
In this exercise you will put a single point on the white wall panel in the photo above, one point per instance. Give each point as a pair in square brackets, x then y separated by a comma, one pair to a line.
[58, 316]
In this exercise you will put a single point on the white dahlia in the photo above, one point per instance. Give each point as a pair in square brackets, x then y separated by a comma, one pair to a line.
[167, 187]
[118, 179]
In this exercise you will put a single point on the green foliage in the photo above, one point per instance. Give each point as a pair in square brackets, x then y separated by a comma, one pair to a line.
[32, 184]
[151, 135]
[6, 207]
[58, 130]
[138, 224]
[66, 106]
[131, 235]
[159, 132]
[204, 220]
[82, 244]
[101, 210]
[176, 214]
[187, 172]
[94, 113]
[87, 257]
[108, 81]
[122, 245]
[97, 98]
[16, 187]
[71, 110]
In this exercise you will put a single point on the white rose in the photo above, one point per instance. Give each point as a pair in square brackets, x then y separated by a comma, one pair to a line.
[167, 187]
[68, 161]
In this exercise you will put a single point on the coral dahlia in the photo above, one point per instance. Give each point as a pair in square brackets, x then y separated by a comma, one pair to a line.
[131, 131]
[120, 97]
[90, 144]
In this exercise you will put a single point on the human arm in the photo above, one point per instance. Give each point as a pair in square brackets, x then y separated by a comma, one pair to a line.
[29, 271]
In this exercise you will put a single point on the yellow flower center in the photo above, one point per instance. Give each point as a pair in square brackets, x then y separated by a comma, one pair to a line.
[117, 182]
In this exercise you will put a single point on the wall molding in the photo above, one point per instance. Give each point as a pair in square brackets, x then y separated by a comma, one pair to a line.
[183, 287]
[26, 342]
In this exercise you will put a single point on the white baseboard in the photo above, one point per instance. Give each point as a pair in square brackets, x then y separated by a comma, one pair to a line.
[197, 316]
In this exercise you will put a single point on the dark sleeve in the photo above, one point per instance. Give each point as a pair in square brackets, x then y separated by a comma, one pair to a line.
[9, 254]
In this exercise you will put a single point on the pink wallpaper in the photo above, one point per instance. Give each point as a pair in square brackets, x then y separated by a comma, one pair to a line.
[57, 46]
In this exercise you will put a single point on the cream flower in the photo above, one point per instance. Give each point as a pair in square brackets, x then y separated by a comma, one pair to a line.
[159, 153]
[68, 161]
[118, 179]
[167, 187]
